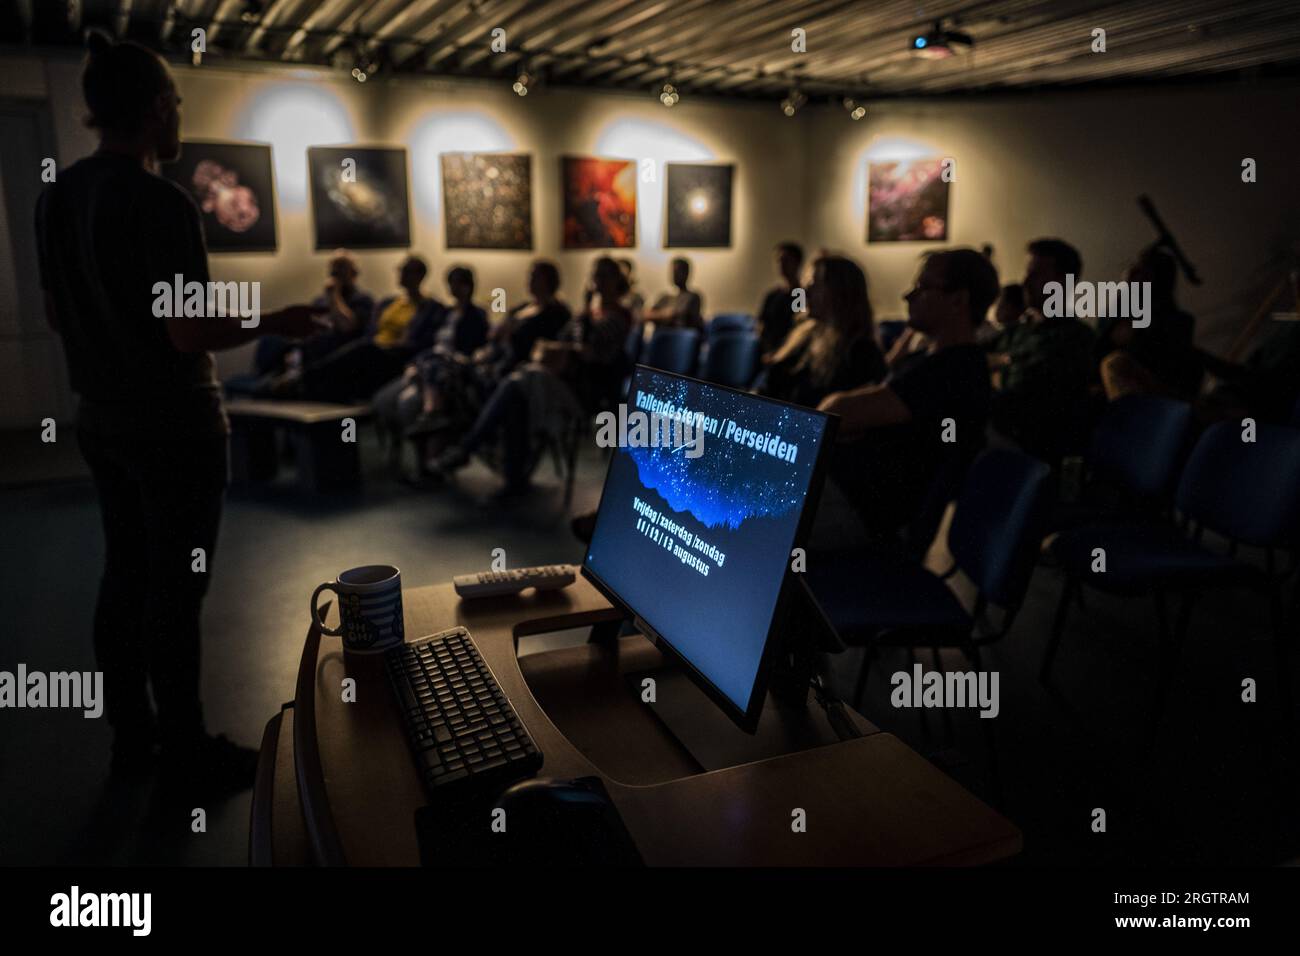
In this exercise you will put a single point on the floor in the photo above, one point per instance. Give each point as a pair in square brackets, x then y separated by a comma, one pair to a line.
[1212, 781]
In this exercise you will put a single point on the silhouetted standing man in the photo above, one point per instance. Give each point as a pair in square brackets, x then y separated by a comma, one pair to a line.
[150, 422]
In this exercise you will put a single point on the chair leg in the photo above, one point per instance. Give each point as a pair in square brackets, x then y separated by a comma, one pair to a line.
[1068, 590]
[950, 735]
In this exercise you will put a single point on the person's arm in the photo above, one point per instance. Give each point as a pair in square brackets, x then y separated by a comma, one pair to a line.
[348, 320]
[181, 250]
[862, 409]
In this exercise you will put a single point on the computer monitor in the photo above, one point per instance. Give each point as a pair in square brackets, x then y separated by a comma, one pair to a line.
[701, 510]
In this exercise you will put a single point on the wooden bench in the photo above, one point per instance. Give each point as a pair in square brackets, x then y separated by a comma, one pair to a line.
[314, 431]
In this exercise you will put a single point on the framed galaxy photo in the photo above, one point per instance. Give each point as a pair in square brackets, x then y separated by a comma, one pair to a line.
[599, 203]
[233, 185]
[699, 205]
[359, 197]
[487, 200]
[907, 201]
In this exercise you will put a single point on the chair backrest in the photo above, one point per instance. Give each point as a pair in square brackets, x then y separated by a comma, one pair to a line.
[997, 523]
[673, 350]
[732, 359]
[1248, 491]
[1139, 443]
[727, 322]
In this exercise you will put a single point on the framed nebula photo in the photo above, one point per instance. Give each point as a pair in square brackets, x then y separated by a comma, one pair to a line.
[233, 185]
[487, 200]
[699, 205]
[907, 201]
[359, 197]
[599, 203]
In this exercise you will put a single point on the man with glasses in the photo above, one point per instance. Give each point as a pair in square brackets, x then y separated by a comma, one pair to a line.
[927, 421]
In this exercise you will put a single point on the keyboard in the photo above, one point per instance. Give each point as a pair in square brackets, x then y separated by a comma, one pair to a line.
[464, 733]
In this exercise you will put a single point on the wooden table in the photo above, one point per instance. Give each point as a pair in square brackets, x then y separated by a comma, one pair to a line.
[868, 801]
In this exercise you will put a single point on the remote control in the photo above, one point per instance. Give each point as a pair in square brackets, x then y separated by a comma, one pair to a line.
[495, 583]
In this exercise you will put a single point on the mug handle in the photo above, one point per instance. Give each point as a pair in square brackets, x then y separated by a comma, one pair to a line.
[315, 611]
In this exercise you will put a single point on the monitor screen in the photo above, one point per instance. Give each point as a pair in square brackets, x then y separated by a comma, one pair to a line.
[705, 499]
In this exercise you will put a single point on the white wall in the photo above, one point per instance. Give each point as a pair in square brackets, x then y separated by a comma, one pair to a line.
[1071, 165]
[1067, 164]
[296, 108]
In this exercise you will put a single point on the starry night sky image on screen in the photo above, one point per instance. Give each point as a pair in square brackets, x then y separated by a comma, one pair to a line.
[699, 547]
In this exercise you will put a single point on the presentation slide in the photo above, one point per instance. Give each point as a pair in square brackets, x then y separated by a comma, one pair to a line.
[696, 538]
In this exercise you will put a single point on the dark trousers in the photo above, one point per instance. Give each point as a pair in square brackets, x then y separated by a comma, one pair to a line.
[160, 498]
[506, 412]
[354, 372]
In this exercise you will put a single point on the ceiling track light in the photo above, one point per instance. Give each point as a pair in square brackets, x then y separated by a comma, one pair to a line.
[855, 109]
[365, 65]
[669, 96]
[523, 81]
[793, 101]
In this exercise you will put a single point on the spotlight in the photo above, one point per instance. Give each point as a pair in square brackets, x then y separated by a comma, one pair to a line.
[521, 83]
[793, 101]
[856, 110]
[366, 65]
[252, 11]
[668, 96]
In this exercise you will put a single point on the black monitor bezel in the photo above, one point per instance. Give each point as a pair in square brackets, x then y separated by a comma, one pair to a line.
[746, 719]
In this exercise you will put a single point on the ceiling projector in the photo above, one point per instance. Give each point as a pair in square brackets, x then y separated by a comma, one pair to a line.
[939, 43]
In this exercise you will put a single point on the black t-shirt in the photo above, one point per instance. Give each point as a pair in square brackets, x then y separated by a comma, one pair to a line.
[107, 231]
[792, 379]
[775, 318]
[546, 323]
[890, 471]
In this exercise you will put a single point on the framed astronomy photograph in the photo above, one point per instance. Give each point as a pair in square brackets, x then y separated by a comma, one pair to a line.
[907, 201]
[487, 200]
[599, 203]
[359, 197]
[699, 205]
[234, 185]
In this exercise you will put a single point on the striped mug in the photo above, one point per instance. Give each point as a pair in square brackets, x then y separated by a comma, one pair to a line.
[370, 608]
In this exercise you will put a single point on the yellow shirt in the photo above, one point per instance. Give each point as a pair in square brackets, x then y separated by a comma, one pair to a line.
[393, 322]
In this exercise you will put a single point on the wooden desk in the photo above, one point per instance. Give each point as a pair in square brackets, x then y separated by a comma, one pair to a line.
[869, 801]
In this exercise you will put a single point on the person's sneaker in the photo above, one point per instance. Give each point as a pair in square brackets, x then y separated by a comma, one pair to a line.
[448, 461]
[209, 765]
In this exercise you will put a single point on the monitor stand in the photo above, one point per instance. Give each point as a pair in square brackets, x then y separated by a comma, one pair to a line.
[789, 722]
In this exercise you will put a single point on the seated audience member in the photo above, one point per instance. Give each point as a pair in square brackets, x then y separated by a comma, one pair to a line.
[1008, 317]
[925, 424]
[454, 387]
[1043, 395]
[835, 349]
[566, 379]
[634, 301]
[1266, 387]
[1161, 358]
[776, 314]
[344, 310]
[400, 326]
[682, 307]
[464, 328]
